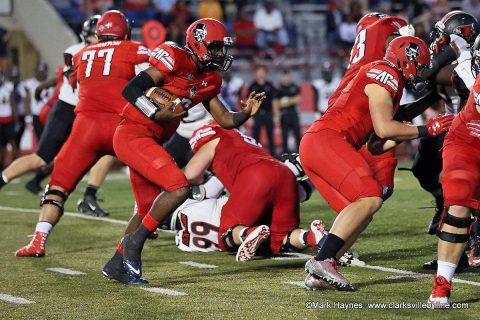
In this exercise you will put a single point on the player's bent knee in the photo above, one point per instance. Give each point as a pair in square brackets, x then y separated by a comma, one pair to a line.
[37, 161]
[460, 222]
[54, 197]
[460, 211]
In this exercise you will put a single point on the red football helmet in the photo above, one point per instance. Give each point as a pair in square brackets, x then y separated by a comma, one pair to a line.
[208, 40]
[409, 54]
[113, 25]
[370, 18]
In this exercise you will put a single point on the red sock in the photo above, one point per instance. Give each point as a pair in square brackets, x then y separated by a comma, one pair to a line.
[150, 223]
[120, 248]
[312, 242]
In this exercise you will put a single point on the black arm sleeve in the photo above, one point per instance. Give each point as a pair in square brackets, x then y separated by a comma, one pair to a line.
[444, 57]
[408, 111]
[137, 86]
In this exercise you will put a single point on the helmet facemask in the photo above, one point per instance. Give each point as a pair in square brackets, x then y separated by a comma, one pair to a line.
[218, 57]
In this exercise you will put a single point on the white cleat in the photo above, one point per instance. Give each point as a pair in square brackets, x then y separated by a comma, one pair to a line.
[251, 243]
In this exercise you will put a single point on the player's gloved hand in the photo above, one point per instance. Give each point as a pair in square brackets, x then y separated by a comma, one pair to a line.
[439, 124]
[407, 30]
[474, 128]
[252, 104]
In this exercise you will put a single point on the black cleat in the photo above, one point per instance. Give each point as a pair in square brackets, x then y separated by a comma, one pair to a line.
[432, 228]
[89, 205]
[132, 256]
[114, 270]
[34, 187]
[462, 264]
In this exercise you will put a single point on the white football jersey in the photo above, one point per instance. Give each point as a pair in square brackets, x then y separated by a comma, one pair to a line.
[200, 221]
[464, 69]
[29, 86]
[67, 93]
[6, 90]
[197, 117]
[324, 92]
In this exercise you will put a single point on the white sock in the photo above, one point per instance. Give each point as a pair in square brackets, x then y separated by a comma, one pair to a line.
[5, 179]
[242, 233]
[44, 227]
[446, 270]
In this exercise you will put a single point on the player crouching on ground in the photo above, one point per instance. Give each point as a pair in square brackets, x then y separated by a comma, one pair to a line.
[190, 73]
[330, 157]
[263, 202]
[461, 189]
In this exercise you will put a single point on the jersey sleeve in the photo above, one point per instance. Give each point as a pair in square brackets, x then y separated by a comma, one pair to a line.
[163, 59]
[384, 76]
[202, 136]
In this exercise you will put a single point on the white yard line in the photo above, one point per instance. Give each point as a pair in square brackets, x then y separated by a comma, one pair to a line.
[13, 299]
[292, 255]
[69, 272]
[168, 292]
[296, 283]
[198, 265]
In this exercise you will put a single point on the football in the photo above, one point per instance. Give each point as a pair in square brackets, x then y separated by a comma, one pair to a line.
[163, 98]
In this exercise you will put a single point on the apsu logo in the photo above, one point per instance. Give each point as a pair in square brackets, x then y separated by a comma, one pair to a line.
[412, 51]
[200, 32]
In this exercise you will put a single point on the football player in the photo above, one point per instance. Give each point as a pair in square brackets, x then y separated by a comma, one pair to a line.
[102, 70]
[190, 73]
[263, 202]
[461, 189]
[7, 117]
[367, 105]
[57, 130]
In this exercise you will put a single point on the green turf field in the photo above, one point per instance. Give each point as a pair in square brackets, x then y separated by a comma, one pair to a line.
[259, 289]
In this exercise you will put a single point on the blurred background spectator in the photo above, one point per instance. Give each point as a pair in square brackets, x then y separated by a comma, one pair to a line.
[271, 31]
[210, 9]
[288, 96]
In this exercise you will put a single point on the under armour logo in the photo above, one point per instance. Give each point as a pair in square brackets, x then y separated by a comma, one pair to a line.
[204, 83]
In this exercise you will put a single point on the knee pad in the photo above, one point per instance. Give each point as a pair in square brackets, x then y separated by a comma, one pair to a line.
[227, 240]
[454, 222]
[58, 193]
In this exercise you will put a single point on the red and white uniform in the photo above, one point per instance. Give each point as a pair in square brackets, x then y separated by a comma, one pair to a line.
[200, 222]
[102, 71]
[138, 139]
[262, 189]
[47, 107]
[6, 90]
[329, 149]
[461, 157]
[370, 45]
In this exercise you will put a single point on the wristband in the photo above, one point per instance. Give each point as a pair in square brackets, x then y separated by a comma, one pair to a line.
[146, 107]
[422, 131]
[239, 118]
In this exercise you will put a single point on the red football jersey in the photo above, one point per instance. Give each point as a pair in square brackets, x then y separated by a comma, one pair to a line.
[102, 71]
[181, 78]
[350, 114]
[369, 46]
[468, 113]
[234, 152]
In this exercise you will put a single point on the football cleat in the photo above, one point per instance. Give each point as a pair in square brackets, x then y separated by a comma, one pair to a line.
[89, 205]
[292, 161]
[251, 243]
[318, 229]
[34, 187]
[312, 282]
[36, 247]
[474, 257]
[433, 226]
[462, 264]
[440, 296]
[326, 270]
[132, 257]
[114, 270]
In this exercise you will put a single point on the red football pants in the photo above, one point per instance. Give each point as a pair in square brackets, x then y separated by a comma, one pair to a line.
[338, 171]
[91, 138]
[263, 193]
[152, 169]
[461, 173]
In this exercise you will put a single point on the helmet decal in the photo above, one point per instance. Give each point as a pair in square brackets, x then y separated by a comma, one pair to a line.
[200, 32]
[412, 51]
